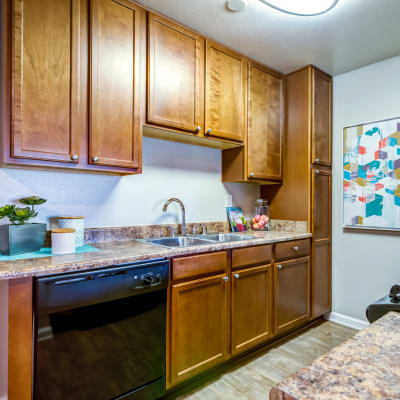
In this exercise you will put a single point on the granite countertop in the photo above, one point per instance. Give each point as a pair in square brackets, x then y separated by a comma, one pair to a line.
[365, 367]
[127, 251]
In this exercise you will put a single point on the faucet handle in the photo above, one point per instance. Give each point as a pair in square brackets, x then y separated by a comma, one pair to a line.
[173, 231]
[204, 230]
[195, 230]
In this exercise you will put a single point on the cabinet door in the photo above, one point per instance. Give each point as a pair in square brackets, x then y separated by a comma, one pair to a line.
[45, 79]
[175, 85]
[265, 124]
[226, 73]
[114, 86]
[199, 326]
[321, 118]
[251, 307]
[322, 236]
[292, 293]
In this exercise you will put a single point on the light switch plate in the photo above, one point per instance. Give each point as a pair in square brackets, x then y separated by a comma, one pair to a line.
[228, 200]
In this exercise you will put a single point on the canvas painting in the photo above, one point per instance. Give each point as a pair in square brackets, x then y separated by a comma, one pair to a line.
[371, 175]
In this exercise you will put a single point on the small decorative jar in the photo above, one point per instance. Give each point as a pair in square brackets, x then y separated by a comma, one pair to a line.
[62, 241]
[77, 223]
[260, 221]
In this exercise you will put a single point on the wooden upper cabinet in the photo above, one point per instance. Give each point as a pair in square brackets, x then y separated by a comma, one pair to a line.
[175, 84]
[321, 118]
[292, 293]
[226, 74]
[265, 124]
[199, 323]
[45, 80]
[251, 307]
[115, 132]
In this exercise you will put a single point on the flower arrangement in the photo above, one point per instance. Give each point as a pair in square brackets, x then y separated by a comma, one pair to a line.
[21, 215]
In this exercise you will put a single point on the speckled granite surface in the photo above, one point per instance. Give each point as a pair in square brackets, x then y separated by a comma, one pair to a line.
[366, 367]
[126, 251]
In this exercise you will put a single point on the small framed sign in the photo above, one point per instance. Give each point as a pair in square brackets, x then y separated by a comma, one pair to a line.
[236, 219]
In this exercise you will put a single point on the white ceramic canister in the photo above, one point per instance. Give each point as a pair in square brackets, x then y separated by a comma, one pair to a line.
[77, 223]
[63, 241]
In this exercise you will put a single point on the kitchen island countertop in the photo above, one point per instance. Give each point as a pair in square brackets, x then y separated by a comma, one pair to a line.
[366, 367]
[113, 253]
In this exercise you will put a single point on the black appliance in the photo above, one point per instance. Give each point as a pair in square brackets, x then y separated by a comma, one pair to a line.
[101, 334]
[384, 305]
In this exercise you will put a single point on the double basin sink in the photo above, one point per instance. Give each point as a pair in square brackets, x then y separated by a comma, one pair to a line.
[187, 241]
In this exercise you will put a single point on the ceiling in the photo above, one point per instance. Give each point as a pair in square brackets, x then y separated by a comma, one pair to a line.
[354, 34]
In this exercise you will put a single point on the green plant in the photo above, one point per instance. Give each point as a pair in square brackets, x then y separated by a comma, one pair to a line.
[19, 215]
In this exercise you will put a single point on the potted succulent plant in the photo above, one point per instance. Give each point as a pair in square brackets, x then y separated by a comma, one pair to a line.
[20, 236]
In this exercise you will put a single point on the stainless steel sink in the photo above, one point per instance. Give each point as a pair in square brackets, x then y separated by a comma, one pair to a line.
[187, 241]
[225, 237]
[180, 241]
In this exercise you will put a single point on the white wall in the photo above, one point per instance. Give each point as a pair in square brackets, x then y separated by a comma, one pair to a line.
[365, 266]
[191, 173]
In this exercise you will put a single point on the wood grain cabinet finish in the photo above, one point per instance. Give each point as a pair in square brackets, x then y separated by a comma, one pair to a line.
[322, 239]
[265, 124]
[45, 80]
[291, 294]
[251, 256]
[175, 84]
[292, 249]
[198, 326]
[321, 118]
[251, 307]
[115, 132]
[225, 92]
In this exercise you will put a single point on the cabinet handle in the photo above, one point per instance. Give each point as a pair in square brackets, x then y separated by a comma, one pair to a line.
[74, 157]
[209, 130]
[296, 248]
[225, 278]
[317, 160]
[251, 174]
[198, 129]
[279, 266]
[237, 276]
[95, 159]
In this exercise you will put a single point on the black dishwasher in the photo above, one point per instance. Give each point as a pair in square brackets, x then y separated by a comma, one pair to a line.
[100, 335]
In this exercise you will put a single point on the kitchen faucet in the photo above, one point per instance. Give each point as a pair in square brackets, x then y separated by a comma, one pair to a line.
[183, 227]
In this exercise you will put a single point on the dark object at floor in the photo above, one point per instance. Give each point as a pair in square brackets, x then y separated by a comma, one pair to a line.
[384, 305]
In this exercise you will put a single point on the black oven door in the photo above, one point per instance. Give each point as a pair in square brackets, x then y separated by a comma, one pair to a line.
[108, 350]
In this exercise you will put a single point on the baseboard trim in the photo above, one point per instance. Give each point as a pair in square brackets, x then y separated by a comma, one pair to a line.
[346, 320]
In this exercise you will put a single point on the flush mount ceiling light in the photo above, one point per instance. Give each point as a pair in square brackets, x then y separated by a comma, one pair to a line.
[302, 7]
[236, 5]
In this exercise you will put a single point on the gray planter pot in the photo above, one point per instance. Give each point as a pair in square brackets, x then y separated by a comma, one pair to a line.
[19, 239]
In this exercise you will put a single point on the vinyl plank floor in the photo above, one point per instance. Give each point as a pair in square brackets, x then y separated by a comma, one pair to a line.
[253, 379]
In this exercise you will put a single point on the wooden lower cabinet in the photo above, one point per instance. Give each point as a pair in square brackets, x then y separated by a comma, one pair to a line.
[292, 293]
[321, 278]
[198, 326]
[251, 307]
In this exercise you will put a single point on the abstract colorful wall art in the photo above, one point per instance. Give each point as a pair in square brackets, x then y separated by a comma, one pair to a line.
[371, 175]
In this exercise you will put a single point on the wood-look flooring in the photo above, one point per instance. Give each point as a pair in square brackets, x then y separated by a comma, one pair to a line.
[253, 379]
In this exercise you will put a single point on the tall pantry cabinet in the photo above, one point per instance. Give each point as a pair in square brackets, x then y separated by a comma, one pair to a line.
[307, 177]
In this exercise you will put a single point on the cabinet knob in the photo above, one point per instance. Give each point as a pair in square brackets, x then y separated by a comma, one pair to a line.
[225, 278]
[296, 248]
[251, 174]
[317, 160]
[279, 266]
[237, 276]
[74, 157]
[317, 172]
[198, 129]
[209, 130]
[95, 159]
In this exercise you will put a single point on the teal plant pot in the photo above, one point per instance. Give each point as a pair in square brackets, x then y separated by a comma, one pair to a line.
[20, 239]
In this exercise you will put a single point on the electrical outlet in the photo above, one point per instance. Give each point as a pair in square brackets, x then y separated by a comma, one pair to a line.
[228, 200]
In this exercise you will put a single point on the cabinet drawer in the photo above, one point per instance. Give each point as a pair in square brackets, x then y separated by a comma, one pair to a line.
[293, 249]
[251, 256]
[203, 264]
